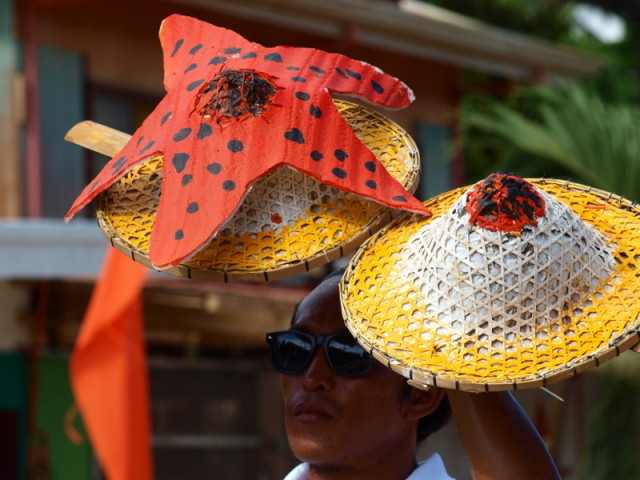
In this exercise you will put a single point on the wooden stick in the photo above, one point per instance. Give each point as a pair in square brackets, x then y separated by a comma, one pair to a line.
[97, 137]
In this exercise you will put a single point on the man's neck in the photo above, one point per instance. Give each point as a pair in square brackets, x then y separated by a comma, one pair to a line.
[398, 470]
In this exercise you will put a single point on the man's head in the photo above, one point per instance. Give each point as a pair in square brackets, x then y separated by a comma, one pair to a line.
[333, 419]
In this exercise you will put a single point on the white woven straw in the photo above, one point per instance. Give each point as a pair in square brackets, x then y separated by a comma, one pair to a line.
[491, 284]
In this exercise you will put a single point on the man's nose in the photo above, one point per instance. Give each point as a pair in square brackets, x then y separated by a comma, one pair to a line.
[319, 374]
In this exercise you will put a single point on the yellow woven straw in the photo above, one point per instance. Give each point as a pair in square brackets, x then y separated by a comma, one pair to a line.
[288, 223]
[448, 305]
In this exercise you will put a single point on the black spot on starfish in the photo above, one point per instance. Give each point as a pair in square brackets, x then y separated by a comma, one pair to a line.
[338, 172]
[147, 147]
[177, 46]
[214, 168]
[181, 134]
[193, 85]
[179, 161]
[273, 57]
[235, 146]
[341, 155]
[165, 117]
[204, 131]
[315, 111]
[341, 72]
[294, 135]
[118, 164]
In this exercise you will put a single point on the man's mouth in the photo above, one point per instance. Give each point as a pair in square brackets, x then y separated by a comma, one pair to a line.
[311, 410]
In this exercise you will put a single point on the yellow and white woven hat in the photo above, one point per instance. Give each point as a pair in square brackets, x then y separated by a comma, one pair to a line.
[510, 284]
[248, 169]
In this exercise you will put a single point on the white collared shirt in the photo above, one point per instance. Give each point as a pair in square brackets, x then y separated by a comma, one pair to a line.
[431, 469]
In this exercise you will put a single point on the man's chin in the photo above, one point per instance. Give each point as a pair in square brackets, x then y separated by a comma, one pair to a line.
[314, 449]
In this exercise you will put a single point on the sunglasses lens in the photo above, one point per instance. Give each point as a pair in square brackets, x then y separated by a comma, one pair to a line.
[291, 352]
[347, 357]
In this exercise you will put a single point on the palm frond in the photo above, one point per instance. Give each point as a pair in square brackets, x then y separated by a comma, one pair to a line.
[569, 126]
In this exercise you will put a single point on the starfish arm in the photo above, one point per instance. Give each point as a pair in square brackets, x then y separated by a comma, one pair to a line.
[187, 49]
[327, 149]
[205, 178]
[144, 143]
[310, 70]
[366, 81]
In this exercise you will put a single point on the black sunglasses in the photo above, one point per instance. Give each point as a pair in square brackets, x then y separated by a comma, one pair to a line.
[292, 352]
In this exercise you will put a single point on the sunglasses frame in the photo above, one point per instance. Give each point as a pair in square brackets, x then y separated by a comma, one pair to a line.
[315, 341]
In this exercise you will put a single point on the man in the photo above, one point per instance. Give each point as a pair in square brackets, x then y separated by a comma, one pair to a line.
[363, 422]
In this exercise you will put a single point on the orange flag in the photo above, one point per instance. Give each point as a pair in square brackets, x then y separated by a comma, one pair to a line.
[109, 372]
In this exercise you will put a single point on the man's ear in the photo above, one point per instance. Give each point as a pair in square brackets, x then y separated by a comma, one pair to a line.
[420, 403]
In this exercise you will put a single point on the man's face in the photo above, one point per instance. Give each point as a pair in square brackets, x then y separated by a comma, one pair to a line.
[333, 420]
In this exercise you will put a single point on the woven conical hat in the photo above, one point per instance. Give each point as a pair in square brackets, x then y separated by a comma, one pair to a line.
[479, 301]
[287, 224]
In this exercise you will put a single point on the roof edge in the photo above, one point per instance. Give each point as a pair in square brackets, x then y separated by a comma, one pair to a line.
[422, 30]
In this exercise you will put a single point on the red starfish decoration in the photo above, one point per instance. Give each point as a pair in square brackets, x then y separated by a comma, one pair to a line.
[234, 111]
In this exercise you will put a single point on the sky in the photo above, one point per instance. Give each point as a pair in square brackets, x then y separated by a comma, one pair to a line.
[608, 28]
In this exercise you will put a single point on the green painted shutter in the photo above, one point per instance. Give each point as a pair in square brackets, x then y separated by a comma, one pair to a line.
[435, 159]
[61, 95]
[13, 416]
[66, 460]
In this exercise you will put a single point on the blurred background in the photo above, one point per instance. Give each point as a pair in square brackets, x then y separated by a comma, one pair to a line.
[539, 88]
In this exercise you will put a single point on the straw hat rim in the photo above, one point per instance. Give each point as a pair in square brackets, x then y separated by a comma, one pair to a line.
[364, 330]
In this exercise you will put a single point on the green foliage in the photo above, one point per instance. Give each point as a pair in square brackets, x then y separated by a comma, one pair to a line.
[554, 131]
[617, 83]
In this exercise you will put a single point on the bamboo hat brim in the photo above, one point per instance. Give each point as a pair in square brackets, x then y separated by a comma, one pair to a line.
[457, 306]
[287, 224]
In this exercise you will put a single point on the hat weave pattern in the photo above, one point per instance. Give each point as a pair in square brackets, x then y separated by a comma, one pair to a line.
[480, 282]
[449, 305]
[288, 222]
